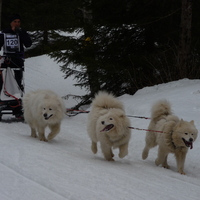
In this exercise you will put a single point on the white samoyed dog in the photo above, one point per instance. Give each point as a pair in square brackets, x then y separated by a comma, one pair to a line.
[43, 108]
[108, 124]
[171, 134]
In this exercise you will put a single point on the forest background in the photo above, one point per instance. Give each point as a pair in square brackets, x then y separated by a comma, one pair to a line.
[121, 45]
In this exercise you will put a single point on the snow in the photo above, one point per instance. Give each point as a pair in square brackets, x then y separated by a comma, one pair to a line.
[66, 169]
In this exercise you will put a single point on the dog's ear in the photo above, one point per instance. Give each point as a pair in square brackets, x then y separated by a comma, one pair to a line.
[181, 121]
[192, 122]
[122, 116]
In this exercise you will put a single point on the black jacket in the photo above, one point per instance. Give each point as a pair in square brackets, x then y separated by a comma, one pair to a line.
[25, 39]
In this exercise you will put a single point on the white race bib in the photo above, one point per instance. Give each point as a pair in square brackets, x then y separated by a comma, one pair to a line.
[11, 43]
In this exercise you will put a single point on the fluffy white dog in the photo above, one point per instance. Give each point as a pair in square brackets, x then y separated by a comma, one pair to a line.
[108, 124]
[43, 108]
[171, 134]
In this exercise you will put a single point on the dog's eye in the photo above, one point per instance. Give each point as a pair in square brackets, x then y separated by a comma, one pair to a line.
[50, 108]
[111, 118]
[186, 133]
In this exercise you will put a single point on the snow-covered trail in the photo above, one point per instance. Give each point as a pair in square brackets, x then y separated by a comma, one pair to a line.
[66, 169]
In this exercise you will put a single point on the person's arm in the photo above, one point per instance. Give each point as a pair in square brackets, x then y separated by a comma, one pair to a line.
[24, 37]
[1, 40]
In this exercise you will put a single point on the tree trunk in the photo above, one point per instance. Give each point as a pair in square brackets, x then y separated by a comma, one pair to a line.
[88, 32]
[183, 62]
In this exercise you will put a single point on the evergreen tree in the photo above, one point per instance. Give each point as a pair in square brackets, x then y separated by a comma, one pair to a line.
[130, 45]
[121, 46]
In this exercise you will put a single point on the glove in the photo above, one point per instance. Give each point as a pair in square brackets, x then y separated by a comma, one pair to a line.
[18, 29]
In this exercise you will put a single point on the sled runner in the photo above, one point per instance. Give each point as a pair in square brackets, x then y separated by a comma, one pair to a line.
[11, 92]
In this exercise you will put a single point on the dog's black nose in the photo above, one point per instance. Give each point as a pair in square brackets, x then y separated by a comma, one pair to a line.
[103, 122]
[45, 114]
[191, 140]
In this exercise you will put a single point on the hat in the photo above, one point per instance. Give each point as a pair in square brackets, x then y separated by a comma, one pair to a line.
[14, 16]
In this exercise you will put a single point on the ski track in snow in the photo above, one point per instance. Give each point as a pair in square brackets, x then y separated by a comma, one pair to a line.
[66, 168]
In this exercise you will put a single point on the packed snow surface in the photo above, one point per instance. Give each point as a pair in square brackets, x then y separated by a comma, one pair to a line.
[66, 169]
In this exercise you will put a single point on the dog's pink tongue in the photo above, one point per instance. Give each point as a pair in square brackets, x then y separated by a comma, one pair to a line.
[103, 130]
[191, 145]
[107, 128]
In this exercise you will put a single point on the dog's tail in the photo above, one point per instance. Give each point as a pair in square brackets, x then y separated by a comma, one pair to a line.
[106, 101]
[160, 109]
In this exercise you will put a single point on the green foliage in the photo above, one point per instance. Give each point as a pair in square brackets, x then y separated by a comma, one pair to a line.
[128, 47]
[123, 45]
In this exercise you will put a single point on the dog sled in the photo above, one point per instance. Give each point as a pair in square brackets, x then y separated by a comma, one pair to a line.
[11, 92]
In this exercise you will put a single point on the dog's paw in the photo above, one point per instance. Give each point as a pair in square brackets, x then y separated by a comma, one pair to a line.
[145, 154]
[43, 139]
[50, 137]
[34, 136]
[110, 159]
[157, 162]
[94, 147]
[181, 172]
[166, 166]
[123, 154]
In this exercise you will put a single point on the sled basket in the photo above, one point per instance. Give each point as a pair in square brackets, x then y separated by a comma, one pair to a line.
[10, 93]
